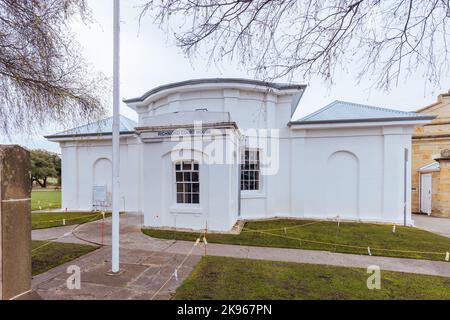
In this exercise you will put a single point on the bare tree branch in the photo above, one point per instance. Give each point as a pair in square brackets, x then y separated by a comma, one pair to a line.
[43, 77]
[380, 39]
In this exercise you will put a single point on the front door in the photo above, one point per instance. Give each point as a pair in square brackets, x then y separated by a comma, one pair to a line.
[425, 193]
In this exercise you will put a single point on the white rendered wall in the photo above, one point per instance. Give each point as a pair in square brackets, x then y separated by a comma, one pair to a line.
[85, 164]
[369, 184]
[302, 187]
[218, 208]
[355, 172]
[371, 165]
[248, 109]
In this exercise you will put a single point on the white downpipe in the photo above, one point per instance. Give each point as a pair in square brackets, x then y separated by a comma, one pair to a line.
[115, 267]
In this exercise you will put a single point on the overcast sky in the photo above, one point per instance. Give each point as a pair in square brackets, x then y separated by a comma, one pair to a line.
[149, 58]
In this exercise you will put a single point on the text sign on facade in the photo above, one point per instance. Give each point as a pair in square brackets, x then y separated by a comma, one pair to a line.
[100, 196]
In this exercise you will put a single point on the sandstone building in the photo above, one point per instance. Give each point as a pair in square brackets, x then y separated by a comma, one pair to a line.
[431, 161]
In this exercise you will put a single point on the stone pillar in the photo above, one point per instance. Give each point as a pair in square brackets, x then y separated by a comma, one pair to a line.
[443, 192]
[15, 221]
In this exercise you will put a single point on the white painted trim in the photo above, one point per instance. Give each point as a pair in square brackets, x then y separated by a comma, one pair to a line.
[357, 124]
[252, 194]
[92, 137]
[186, 209]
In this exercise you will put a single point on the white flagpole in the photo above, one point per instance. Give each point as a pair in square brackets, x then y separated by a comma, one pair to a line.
[116, 142]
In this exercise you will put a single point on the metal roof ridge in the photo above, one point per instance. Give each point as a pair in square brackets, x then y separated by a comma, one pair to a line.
[377, 107]
[318, 111]
[341, 102]
[99, 123]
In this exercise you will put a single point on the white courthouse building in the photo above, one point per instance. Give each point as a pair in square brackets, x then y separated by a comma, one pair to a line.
[208, 152]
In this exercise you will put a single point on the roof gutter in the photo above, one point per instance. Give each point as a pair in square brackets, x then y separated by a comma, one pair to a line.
[418, 118]
[51, 137]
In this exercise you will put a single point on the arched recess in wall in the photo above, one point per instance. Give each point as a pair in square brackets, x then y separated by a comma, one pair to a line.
[102, 176]
[342, 189]
[179, 154]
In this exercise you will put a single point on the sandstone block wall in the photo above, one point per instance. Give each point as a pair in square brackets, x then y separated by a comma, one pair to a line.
[15, 221]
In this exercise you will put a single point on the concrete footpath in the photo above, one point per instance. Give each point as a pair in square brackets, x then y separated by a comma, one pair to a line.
[62, 234]
[149, 264]
[433, 224]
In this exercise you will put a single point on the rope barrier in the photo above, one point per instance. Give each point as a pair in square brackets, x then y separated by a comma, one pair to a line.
[65, 220]
[337, 233]
[352, 246]
[283, 228]
[368, 249]
[175, 273]
[46, 244]
[63, 236]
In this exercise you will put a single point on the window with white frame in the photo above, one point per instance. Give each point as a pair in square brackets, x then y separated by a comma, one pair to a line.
[250, 174]
[187, 182]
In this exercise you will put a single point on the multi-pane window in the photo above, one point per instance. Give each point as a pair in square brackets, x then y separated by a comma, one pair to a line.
[250, 175]
[187, 182]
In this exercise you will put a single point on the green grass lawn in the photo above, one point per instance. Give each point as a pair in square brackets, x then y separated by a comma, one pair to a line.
[230, 278]
[43, 200]
[41, 220]
[271, 233]
[47, 256]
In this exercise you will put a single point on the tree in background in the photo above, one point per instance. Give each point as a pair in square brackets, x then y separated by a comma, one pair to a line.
[57, 164]
[44, 165]
[378, 39]
[43, 77]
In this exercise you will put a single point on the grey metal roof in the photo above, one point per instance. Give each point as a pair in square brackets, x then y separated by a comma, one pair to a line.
[101, 127]
[274, 85]
[342, 111]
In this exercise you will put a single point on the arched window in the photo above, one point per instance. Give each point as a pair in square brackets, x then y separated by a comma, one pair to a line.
[187, 181]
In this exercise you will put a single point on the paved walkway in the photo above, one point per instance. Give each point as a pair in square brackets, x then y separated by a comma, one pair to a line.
[148, 264]
[144, 275]
[433, 224]
[62, 234]
[146, 272]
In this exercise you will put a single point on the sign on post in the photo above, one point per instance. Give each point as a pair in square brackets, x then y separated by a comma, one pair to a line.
[100, 197]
